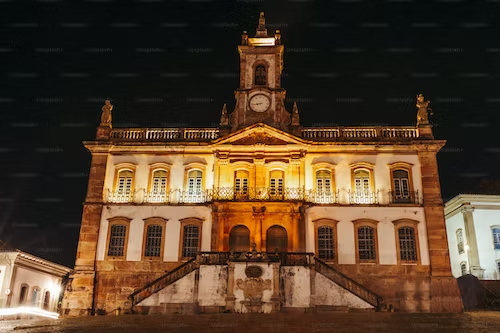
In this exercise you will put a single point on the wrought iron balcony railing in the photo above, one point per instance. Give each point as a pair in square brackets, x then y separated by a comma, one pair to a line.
[258, 193]
[119, 196]
[402, 198]
[363, 197]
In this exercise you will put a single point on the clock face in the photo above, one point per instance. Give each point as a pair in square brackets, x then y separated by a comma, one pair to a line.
[260, 103]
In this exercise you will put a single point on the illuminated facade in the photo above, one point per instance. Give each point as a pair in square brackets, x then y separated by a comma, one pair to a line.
[29, 282]
[341, 216]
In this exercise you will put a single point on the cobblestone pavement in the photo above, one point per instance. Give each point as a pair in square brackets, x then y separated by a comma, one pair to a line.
[473, 322]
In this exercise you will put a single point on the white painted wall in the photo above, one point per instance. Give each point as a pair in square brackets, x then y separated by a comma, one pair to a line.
[297, 282]
[385, 230]
[329, 293]
[212, 290]
[172, 232]
[484, 220]
[181, 291]
[35, 279]
[454, 223]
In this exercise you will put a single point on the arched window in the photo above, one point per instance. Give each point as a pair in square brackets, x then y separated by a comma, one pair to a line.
[154, 235]
[496, 238]
[324, 182]
[35, 296]
[46, 300]
[276, 184]
[23, 294]
[123, 191]
[277, 239]
[407, 244]
[463, 268]
[190, 241]
[241, 183]
[363, 192]
[260, 75]
[326, 246]
[460, 241]
[239, 239]
[194, 183]
[158, 186]
[401, 185]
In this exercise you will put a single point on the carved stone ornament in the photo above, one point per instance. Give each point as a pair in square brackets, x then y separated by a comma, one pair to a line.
[224, 117]
[253, 288]
[253, 271]
[259, 138]
[423, 110]
[295, 115]
[106, 114]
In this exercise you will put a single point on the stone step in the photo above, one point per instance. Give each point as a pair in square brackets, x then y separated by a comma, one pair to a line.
[332, 308]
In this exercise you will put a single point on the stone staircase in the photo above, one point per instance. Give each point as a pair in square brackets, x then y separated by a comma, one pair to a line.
[479, 294]
[222, 258]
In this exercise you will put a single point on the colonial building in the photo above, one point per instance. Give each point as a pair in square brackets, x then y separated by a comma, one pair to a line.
[30, 281]
[473, 227]
[261, 214]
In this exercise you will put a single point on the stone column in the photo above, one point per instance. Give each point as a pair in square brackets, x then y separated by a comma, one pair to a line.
[445, 295]
[80, 296]
[275, 298]
[470, 235]
[230, 298]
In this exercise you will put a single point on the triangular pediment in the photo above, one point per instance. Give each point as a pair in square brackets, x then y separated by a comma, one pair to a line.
[259, 134]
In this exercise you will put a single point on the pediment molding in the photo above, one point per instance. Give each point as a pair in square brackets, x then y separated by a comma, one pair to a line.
[259, 134]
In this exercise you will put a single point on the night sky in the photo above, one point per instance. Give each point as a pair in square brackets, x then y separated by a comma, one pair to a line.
[174, 63]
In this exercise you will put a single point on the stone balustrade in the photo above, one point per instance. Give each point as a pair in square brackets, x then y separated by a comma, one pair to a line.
[313, 133]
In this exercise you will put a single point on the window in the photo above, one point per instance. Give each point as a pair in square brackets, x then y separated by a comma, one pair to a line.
[241, 183]
[463, 268]
[194, 186]
[190, 237]
[496, 238]
[276, 184]
[326, 241]
[153, 243]
[35, 296]
[362, 184]
[366, 241]
[239, 239]
[158, 191]
[117, 238]
[23, 294]
[123, 189]
[260, 75]
[401, 185]
[324, 183]
[460, 241]
[407, 246]
[46, 300]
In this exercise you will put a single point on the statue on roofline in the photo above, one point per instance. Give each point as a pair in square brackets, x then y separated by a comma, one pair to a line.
[106, 114]
[423, 110]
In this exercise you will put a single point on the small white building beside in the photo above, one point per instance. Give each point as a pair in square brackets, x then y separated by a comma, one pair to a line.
[30, 281]
[473, 228]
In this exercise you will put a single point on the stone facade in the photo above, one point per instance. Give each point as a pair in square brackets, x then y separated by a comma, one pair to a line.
[364, 201]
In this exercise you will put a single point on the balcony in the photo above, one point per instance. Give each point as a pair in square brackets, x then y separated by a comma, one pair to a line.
[404, 198]
[363, 197]
[259, 194]
[119, 196]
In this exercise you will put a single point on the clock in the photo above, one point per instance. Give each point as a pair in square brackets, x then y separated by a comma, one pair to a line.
[259, 103]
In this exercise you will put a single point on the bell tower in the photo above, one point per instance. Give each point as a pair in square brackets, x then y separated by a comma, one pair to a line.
[260, 97]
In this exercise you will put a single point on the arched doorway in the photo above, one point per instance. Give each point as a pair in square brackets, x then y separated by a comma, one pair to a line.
[277, 239]
[46, 300]
[239, 239]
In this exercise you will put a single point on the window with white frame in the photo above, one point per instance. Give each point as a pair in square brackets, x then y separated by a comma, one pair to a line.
[158, 186]
[194, 183]
[496, 238]
[123, 191]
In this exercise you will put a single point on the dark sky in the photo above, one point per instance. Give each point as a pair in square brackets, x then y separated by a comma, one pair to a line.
[174, 63]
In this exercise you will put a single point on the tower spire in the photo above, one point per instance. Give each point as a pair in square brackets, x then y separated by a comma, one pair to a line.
[261, 29]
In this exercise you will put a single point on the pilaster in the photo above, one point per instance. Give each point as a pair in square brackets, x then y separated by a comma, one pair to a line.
[230, 298]
[470, 235]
